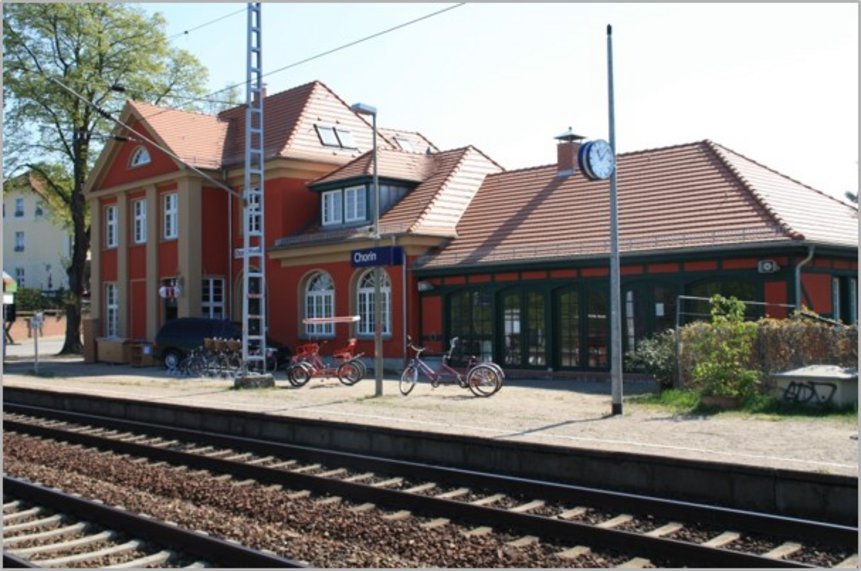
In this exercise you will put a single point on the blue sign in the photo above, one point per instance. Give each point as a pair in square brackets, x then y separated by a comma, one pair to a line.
[382, 256]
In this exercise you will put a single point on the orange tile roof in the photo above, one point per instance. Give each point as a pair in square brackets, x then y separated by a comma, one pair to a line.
[197, 139]
[447, 182]
[697, 195]
[391, 164]
[289, 118]
[437, 204]
[419, 142]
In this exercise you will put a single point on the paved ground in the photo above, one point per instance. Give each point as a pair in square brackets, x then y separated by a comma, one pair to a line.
[568, 413]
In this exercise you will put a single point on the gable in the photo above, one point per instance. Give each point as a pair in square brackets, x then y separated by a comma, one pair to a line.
[118, 171]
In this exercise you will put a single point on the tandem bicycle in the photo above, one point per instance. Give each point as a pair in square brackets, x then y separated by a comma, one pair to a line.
[345, 365]
[483, 379]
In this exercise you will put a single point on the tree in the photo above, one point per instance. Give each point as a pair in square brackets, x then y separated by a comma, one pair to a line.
[90, 48]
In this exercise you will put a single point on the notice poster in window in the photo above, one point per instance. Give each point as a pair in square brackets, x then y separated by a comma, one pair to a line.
[659, 309]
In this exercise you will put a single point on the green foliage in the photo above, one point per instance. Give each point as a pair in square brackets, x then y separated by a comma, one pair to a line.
[688, 402]
[655, 356]
[28, 299]
[786, 344]
[725, 348]
[33, 299]
[58, 134]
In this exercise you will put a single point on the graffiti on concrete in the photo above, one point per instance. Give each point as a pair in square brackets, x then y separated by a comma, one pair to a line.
[809, 392]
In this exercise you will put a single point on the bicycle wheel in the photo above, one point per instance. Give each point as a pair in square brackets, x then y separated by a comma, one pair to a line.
[349, 373]
[298, 374]
[408, 380]
[483, 380]
[363, 370]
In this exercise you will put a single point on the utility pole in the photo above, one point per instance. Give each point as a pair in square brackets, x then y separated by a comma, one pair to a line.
[615, 293]
[254, 325]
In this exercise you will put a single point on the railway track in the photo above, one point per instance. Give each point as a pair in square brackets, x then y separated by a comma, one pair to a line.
[653, 530]
[43, 527]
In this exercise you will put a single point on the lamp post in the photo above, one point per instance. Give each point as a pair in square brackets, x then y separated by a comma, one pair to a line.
[364, 109]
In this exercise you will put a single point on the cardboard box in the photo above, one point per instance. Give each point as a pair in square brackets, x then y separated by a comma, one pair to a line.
[110, 350]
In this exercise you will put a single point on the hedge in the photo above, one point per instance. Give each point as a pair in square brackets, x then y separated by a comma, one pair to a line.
[781, 345]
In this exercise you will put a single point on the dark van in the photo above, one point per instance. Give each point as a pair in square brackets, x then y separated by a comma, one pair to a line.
[178, 337]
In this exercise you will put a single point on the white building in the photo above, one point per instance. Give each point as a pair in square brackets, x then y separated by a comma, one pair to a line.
[36, 244]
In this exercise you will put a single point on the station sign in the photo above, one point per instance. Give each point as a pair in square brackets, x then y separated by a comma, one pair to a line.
[382, 256]
[240, 252]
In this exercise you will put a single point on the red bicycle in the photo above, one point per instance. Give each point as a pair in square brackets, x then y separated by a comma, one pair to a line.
[483, 379]
[307, 362]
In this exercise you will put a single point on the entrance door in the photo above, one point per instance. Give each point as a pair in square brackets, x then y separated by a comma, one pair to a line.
[582, 328]
[524, 328]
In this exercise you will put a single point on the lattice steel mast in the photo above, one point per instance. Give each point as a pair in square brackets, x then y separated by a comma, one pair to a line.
[254, 325]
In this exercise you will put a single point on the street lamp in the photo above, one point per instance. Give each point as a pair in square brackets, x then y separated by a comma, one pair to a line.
[364, 109]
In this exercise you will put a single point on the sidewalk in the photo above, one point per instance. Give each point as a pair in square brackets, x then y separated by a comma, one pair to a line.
[574, 413]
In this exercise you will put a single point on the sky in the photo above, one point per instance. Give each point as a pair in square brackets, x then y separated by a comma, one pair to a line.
[776, 82]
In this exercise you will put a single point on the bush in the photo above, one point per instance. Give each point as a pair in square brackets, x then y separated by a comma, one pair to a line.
[656, 356]
[34, 299]
[725, 351]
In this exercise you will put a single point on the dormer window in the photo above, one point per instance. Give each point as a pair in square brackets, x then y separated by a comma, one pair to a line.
[335, 136]
[404, 144]
[344, 206]
[140, 157]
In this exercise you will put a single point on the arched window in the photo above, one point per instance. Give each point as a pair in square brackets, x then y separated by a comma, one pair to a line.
[320, 302]
[140, 156]
[365, 302]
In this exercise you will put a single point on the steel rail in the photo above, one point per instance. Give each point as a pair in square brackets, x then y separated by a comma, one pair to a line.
[14, 562]
[199, 545]
[740, 520]
[626, 542]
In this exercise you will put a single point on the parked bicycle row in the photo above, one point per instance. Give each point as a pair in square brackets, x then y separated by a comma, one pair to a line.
[223, 358]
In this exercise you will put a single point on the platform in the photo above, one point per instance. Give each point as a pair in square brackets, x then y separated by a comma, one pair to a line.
[575, 413]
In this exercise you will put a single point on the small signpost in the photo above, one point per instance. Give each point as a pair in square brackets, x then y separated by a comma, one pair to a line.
[36, 325]
[382, 256]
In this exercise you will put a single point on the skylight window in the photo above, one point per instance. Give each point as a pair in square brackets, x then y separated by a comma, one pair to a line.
[327, 135]
[404, 144]
[345, 137]
[332, 136]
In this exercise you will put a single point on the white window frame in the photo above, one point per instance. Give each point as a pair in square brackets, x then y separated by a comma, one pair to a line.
[140, 157]
[404, 143]
[328, 137]
[111, 222]
[365, 302]
[170, 229]
[345, 138]
[20, 276]
[139, 209]
[319, 301]
[254, 212]
[19, 241]
[332, 207]
[112, 310]
[19, 207]
[212, 298]
[357, 211]
[39, 210]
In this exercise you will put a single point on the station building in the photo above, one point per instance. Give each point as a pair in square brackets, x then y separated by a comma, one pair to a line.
[515, 263]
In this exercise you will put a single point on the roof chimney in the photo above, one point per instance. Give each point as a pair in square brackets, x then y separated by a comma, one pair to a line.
[566, 153]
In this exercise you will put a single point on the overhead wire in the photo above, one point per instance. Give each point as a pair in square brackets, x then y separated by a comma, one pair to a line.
[166, 151]
[186, 32]
[108, 116]
[331, 51]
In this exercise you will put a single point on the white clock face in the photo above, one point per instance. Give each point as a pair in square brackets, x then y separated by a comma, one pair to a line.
[601, 159]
